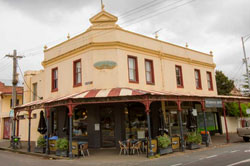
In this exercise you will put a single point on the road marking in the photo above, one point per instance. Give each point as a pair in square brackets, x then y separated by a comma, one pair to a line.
[177, 164]
[240, 162]
[211, 156]
[233, 151]
[247, 151]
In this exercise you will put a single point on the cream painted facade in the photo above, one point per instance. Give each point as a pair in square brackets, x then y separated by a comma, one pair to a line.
[5, 101]
[106, 41]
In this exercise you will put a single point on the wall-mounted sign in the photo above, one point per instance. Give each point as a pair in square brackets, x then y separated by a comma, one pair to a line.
[105, 65]
[213, 103]
[97, 127]
[194, 112]
[11, 113]
[89, 83]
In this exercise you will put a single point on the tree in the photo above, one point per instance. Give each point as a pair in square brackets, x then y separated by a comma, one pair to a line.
[224, 84]
[245, 86]
[233, 109]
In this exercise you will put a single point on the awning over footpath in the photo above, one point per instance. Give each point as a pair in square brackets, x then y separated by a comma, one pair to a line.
[123, 95]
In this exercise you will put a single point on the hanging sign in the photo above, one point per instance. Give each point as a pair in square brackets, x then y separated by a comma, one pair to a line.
[11, 114]
[194, 112]
[213, 103]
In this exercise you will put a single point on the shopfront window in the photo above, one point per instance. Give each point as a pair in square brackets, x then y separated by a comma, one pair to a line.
[80, 122]
[135, 123]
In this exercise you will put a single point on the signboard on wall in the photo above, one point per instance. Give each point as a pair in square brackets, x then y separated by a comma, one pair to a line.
[213, 103]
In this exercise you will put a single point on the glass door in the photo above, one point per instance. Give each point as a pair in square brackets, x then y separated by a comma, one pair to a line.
[107, 127]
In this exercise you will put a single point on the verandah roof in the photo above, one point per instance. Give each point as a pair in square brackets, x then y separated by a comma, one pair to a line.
[130, 94]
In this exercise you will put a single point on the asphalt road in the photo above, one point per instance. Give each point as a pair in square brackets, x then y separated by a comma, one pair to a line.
[237, 154]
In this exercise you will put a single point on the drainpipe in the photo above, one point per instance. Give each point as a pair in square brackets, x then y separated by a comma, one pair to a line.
[29, 111]
[181, 127]
[47, 112]
[70, 129]
[225, 120]
[205, 121]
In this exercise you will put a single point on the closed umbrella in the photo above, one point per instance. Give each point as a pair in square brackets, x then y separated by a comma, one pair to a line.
[42, 128]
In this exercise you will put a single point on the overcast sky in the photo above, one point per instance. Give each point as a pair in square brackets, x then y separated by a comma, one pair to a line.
[217, 25]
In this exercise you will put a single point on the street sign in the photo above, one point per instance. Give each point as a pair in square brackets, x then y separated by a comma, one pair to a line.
[248, 111]
[11, 113]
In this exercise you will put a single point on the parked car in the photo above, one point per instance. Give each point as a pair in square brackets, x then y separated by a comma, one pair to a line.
[244, 132]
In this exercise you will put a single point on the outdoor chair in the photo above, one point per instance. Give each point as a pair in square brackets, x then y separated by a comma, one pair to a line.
[136, 147]
[84, 149]
[123, 147]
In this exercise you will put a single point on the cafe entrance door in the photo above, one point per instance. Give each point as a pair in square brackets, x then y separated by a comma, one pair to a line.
[107, 128]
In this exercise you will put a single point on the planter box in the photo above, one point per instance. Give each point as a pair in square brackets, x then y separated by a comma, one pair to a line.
[167, 150]
[192, 146]
[62, 153]
[39, 150]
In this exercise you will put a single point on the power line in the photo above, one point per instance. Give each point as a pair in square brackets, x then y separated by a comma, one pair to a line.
[120, 16]
[126, 22]
[103, 33]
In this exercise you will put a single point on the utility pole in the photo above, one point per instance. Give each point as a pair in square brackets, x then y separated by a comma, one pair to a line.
[245, 60]
[14, 84]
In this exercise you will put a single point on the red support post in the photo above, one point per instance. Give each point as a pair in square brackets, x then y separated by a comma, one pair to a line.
[181, 127]
[241, 116]
[225, 120]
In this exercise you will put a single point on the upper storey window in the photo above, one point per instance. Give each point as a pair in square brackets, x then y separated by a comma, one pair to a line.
[133, 69]
[77, 73]
[54, 80]
[149, 69]
[34, 92]
[197, 76]
[209, 81]
[179, 79]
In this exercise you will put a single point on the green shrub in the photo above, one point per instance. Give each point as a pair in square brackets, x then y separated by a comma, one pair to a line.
[41, 142]
[62, 144]
[163, 141]
[194, 137]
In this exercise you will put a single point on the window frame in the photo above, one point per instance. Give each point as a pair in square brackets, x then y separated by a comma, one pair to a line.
[199, 79]
[136, 69]
[181, 77]
[211, 81]
[34, 94]
[152, 71]
[53, 89]
[75, 73]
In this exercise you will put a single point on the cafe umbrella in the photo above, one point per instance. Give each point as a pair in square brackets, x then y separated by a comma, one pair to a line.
[42, 128]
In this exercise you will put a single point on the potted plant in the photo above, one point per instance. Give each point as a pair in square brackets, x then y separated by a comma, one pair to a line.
[193, 140]
[62, 145]
[41, 145]
[164, 144]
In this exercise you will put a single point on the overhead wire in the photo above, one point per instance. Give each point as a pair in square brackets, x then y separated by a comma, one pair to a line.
[77, 41]
[123, 15]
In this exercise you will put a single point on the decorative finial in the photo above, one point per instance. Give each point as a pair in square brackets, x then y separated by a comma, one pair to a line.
[156, 33]
[211, 52]
[102, 5]
[45, 47]
[68, 36]
[186, 45]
